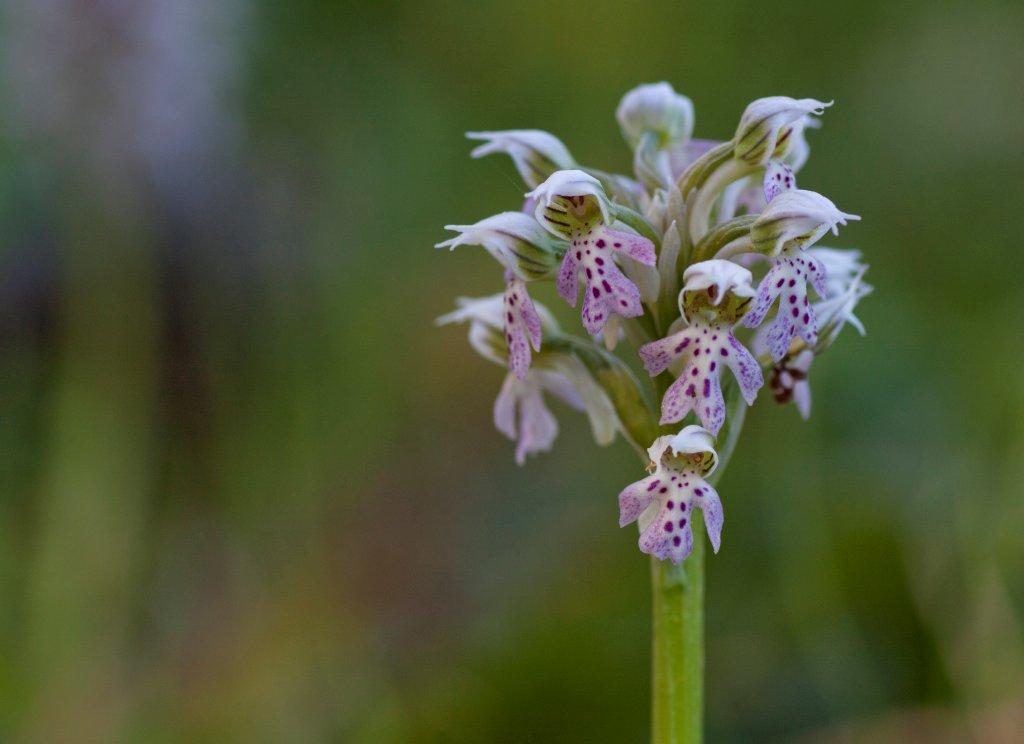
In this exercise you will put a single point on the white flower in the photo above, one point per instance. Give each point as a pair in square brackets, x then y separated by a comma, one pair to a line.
[766, 128]
[655, 107]
[798, 216]
[664, 502]
[536, 153]
[515, 240]
[714, 297]
[573, 204]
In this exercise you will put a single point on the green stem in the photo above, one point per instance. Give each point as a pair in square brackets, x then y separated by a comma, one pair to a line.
[677, 646]
[677, 668]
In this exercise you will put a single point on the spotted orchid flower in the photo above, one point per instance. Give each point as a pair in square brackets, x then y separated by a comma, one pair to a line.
[767, 127]
[663, 502]
[526, 251]
[714, 297]
[794, 218]
[573, 205]
[535, 153]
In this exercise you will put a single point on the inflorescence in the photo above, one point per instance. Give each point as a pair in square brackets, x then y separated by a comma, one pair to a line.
[665, 261]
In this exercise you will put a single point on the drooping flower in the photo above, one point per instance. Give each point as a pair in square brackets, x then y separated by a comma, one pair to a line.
[714, 298]
[767, 126]
[664, 502]
[572, 204]
[535, 153]
[515, 240]
[526, 250]
[520, 411]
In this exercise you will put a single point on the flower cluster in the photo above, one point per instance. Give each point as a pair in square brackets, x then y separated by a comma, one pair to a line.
[665, 259]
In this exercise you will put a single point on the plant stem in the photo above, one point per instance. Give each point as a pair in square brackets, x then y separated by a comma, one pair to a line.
[677, 601]
[677, 704]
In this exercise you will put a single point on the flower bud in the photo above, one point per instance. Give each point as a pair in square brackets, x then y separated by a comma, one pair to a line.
[767, 126]
[657, 108]
[536, 153]
[798, 216]
[717, 288]
[515, 240]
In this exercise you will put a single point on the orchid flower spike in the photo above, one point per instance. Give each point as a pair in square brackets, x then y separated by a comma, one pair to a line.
[515, 240]
[767, 127]
[573, 205]
[714, 298]
[664, 502]
[792, 219]
[535, 153]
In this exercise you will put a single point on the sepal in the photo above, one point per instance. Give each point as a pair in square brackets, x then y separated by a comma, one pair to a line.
[535, 153]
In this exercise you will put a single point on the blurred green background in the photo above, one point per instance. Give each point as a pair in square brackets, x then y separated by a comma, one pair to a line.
[251, 494]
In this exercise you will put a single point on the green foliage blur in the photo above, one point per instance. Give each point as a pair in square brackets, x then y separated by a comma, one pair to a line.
[251, 494]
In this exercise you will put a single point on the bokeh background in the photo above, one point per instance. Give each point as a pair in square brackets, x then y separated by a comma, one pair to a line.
[251, 494]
